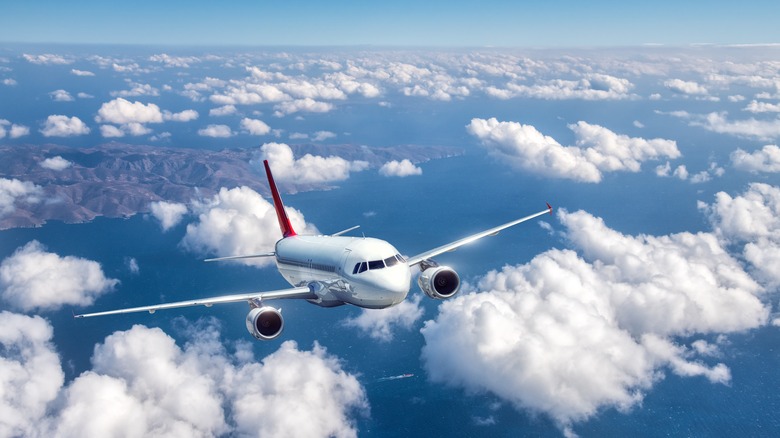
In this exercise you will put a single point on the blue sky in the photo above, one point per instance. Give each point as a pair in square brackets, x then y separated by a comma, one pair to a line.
[437, 23]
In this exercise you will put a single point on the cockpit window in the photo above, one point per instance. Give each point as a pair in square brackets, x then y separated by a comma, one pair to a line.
[400, 258]
[363, 267]
[391, 261]
[376, 264]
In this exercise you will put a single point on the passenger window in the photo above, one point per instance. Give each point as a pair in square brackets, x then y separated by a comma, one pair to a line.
[390, 261]
[376, 264]
[363, 267]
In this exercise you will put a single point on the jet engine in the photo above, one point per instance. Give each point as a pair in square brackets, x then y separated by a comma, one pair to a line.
[439, 282]
[264, 323]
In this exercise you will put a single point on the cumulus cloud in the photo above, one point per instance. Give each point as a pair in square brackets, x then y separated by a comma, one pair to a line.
[157, 388]
[399, 168]
[254, 126]
[133, 117]
[571, 333]
[15, 131]
[61, 96]
[121, 111]
[63, 126]
[597, 149]
[137, 90]
[762, 107]
[767, 159]
[239, 222]
[591, 87]
[309, 168]
[751, 221]
[323, 135]
[379, 323]
[81, 72]
[685, 87]
[216, 131]
[30, 373]
[32, 278]
[46, 59]
[14, 190]
[55, 163]
[183, 116]
[751, 128]
[224, 110]
[168, 213]
[308, 105]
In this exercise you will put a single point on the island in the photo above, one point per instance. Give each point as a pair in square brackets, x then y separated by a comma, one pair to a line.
[120, 180]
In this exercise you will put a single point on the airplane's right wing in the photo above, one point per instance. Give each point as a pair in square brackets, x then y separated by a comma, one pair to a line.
[295, 292]
[458, 243]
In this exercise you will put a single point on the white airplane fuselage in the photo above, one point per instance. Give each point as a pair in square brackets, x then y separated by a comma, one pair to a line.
[361, 271]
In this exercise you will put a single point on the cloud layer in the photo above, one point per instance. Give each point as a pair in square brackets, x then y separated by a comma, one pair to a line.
[570, 332]
[597, 150]
[309, 168]
[157, 388]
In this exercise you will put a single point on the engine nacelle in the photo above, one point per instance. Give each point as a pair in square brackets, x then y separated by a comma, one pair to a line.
[264, 323]
[439, 282]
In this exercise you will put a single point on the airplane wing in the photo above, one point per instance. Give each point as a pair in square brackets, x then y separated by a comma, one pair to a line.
[296, 292]
[458, 243]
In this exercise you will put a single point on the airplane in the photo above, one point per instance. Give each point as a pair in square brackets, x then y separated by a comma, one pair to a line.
[333, 270]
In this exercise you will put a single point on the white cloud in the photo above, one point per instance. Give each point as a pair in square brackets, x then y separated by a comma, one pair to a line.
[111, 131]
[10, 82]
[32, 278]
[308, 105]
[168, 213]
[157, 388]
[216, 131]
[30, 373]
[762, 107]
[137, 90]
[15, 131]
[752, 128]
[81, 95]
[379, 323]
[46, 59]
[254, 126]
[765, 160]
[751, 220]
[55, 163]
[597, 149]
[591, 87]
[63, 126]
[224, 110]
[174, 61]
[121, 111]
[61, 96]
[81, 72]
[184, 116]
[323, 135]
[239, 222]
[569, 335]
[309, 168]
[14, 190]
[399, 168]
[685, 87]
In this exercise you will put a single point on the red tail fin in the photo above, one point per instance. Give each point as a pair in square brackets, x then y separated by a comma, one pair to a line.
[281, 214]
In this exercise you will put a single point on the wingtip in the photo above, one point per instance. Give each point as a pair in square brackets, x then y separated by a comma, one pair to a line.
[549, 207]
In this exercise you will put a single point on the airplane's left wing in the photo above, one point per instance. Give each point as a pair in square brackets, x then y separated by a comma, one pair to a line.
[295, 292]
[458, 243]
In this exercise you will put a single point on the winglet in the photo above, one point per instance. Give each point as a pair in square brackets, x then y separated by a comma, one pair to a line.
[549, 207]
[281, 214]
